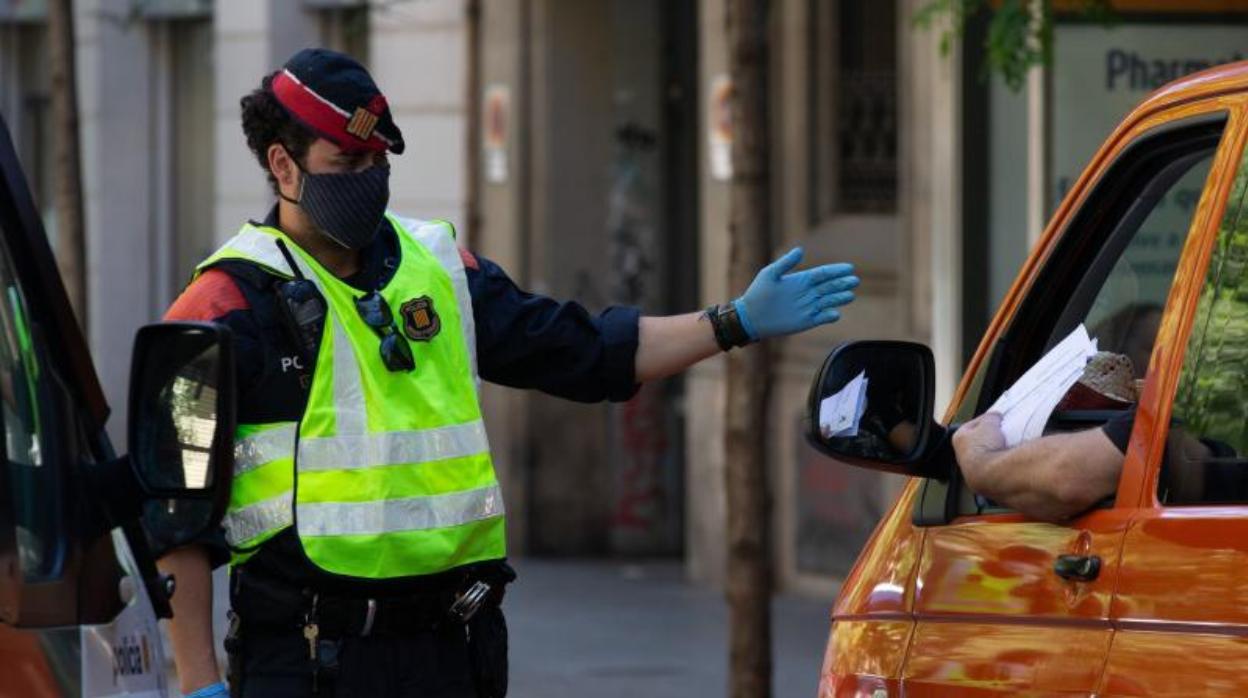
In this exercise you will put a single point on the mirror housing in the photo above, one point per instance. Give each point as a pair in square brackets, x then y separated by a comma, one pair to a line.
[181, 426]
[876, 399]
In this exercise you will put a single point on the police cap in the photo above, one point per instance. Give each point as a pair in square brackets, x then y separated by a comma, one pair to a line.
[335, 97]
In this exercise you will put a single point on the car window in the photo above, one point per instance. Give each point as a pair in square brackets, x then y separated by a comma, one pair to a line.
[31, 486]
[1112, 272]
[1113, 268]
[1126, 311]
[1208, 439]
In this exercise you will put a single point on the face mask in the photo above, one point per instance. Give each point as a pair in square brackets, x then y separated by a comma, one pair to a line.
[348, 207]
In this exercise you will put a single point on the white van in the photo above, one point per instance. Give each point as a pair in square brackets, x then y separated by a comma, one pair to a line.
[80, 594]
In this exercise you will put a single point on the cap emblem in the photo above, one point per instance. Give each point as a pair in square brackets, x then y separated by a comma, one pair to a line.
[362, 123]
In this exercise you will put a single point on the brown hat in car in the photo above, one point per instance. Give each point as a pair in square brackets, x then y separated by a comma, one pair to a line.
[1108, 383]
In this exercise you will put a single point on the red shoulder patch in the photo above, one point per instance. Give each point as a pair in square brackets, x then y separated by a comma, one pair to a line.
[470, 261]
[209, 298]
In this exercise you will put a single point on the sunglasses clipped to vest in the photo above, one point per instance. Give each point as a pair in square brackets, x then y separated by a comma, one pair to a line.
[303, 309]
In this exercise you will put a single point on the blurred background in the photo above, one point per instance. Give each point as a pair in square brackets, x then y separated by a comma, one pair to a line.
[585, 146]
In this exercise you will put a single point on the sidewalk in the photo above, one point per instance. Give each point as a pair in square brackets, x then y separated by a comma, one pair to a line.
[612, 629]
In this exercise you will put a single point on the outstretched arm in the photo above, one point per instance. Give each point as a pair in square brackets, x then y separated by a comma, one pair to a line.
[669, 345]
[1052, 478]
[779, 302]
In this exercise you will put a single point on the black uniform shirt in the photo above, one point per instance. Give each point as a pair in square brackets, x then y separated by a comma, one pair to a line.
[523, 341]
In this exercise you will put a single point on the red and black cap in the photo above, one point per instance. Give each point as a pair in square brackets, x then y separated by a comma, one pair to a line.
[332, 94]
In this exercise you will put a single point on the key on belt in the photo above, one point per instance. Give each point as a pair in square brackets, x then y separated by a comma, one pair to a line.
[469, 602]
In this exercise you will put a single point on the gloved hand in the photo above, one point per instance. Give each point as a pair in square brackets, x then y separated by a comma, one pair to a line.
[216, 690]
[779, 302]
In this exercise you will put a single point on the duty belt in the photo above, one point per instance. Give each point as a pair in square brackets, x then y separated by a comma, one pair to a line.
[342, 616]
[264, 603]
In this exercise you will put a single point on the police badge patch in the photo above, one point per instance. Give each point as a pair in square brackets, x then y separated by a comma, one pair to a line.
[420, 320]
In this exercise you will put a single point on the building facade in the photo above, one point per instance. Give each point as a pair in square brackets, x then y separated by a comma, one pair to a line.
[583, 146]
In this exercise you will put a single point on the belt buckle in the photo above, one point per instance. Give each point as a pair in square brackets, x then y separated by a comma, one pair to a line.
[469, 602]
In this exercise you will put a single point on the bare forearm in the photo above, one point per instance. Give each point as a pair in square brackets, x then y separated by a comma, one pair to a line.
[1016, 480]
[1051, 479]
[191, 626]
[668, 345]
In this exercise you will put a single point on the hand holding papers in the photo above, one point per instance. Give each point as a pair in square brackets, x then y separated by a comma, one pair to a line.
[840, 413]
[1025, 408]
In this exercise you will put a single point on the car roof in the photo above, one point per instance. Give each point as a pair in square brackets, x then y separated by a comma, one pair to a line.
[1220, 79]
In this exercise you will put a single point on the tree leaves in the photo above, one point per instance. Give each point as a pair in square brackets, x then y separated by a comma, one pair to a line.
[1020, 32]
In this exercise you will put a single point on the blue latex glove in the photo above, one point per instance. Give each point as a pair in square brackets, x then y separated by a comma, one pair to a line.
[216, 690]
[781, 301]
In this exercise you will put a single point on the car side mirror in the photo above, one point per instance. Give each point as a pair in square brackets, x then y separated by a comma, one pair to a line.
[181, 427]
[871, 404]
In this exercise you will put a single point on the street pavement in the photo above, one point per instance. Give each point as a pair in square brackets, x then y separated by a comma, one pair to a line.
[612, 629]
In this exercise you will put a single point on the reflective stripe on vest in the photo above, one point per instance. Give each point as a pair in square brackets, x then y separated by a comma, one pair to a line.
[263, 472]
[386, 486]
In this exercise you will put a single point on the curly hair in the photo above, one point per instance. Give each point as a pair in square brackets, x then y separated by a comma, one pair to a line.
[266, 121]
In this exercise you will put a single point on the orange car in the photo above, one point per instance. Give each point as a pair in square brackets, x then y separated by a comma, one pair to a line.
[1146, 593]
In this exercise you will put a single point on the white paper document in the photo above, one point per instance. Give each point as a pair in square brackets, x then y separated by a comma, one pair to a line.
[839, 414]
[1025, 408]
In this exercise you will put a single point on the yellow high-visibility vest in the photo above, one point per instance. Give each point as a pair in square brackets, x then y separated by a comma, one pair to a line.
[387, 474]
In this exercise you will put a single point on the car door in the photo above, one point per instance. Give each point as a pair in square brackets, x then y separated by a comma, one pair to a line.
[992, 617]
[59, 565]
[1181, 608]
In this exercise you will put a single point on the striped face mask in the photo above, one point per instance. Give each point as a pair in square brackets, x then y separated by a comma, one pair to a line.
[347, 207]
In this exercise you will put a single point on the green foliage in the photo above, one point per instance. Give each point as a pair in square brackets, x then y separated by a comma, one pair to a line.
[1020, 34]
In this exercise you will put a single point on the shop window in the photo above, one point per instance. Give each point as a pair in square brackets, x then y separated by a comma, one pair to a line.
[854, 124]
[1205, 461]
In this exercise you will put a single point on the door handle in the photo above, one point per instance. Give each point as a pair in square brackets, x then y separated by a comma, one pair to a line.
[1077, 568]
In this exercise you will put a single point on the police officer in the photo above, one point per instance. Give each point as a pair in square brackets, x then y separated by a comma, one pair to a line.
[365, 526]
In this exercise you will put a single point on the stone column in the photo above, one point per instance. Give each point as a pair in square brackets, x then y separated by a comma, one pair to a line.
[706, 554]
[113, 59]
[251, 40]
[416, 55]
[931, 146]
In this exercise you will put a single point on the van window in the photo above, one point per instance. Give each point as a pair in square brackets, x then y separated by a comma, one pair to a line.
[1126, 312]
[1112, 271]
[32, 489]
[1209, 426]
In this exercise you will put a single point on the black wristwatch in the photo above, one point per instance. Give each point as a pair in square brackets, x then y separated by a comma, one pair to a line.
[729, 332]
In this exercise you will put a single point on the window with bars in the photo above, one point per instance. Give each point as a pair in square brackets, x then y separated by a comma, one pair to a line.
[854, 98]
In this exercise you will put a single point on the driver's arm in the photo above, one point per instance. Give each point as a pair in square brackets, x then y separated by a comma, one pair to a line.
[1052, 478]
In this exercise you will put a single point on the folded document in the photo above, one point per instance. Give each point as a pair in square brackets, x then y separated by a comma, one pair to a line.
[839, 414]
[1026, 407]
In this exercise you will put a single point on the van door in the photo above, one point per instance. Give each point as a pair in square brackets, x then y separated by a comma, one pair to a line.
[992, 616]
[58, 565]
[1181, 608]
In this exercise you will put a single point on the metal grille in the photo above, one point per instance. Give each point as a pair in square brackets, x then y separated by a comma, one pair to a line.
[867, 134]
